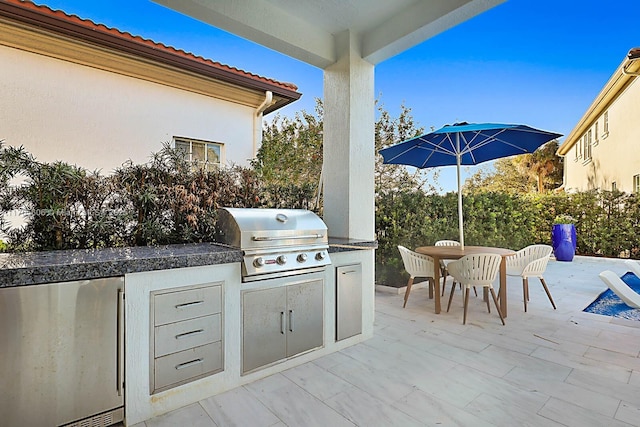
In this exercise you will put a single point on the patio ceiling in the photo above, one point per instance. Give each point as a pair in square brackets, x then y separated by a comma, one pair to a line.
[306, 29]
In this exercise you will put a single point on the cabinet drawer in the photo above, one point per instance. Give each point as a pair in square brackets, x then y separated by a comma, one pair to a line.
[179, 336]
[187, 365]
[188, 304]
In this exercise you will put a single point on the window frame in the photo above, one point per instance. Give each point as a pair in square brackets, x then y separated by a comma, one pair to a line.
[636, 184]
[197, 163]
[586, 141]
[605, 126]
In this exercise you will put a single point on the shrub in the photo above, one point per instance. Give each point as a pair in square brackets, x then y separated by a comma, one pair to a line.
[163, 201]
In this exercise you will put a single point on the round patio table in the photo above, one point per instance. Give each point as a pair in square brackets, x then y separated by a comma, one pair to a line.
[439, 253]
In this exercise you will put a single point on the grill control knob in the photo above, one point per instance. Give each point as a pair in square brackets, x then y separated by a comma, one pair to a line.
[258, 262]
[281, 260]
[320, 256]
[302, 257]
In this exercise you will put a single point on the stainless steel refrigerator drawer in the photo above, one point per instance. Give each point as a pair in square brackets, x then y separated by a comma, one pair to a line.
[62, 353]
[180, 336]
[188, 304]
[187, 365]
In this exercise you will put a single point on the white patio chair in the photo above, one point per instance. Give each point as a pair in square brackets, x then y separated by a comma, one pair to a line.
[624, 292]
[530, 262]
[443, 263]
[417, 265]
[447, 243]
[634, 266]
[475, 270]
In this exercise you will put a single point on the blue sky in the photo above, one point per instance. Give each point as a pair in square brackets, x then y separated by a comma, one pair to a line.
[537, 62]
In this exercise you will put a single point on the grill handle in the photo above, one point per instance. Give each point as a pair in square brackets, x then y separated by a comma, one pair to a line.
[271, 239]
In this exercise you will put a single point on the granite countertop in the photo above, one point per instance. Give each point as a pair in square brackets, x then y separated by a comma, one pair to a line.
[339, 244]
[31, 268]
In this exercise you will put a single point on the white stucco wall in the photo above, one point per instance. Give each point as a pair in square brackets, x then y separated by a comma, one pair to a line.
[97, 119]
[614, 157]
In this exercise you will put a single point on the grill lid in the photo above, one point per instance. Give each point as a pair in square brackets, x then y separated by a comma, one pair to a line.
[258, 228]
[275, 242]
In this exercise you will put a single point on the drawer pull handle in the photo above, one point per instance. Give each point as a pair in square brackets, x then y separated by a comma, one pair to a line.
[282, 322]
[188, 334]
[349, 272]
[189, 304]
[188, 364]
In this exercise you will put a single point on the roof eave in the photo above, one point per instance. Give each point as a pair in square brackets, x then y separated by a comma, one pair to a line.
[166, 57]
[618, 81]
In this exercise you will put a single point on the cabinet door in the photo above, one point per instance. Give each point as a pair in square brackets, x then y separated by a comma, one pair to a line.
[304, 316]
[264, 327]
[348, 301]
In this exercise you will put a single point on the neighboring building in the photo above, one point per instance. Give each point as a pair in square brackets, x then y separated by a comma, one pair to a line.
[77, 91]
[602, 149]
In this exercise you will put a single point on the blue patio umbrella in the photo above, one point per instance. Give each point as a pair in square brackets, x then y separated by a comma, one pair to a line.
[466, 144]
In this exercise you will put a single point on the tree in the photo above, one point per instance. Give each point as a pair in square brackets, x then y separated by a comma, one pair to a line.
[291, 151]
[505, 177]
[540, 171]
[545, 165]
[388, 132]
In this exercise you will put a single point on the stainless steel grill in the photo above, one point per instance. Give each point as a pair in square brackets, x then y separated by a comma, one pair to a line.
[275, 242]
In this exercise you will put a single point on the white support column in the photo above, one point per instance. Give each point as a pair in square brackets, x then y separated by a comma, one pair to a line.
[349, 142]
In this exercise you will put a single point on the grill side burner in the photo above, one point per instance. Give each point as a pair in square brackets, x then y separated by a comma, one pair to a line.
[275, 242]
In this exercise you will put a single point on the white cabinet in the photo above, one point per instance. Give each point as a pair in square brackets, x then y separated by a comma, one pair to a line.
[281, 322]
[186, 335]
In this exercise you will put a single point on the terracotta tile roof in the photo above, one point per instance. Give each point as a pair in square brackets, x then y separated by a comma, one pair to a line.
[85, 29]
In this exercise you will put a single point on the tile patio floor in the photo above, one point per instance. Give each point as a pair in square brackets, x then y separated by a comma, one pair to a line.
[544, 368]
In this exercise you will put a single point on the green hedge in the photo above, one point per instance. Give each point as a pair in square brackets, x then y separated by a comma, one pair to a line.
[607, 223]
[163, 201]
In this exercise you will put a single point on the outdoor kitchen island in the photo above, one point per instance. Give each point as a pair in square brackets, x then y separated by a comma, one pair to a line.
[158, 285]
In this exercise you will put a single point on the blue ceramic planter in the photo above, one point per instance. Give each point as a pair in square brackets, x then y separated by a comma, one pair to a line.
[563, 240]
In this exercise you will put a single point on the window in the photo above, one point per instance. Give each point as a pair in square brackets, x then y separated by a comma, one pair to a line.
[636, 184]
[577, 149]
[595, 134]
[587, 147]
[614, 186]
[605, 124]
[202, 154]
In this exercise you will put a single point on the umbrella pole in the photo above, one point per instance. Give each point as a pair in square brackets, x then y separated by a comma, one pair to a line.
[460, 219]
